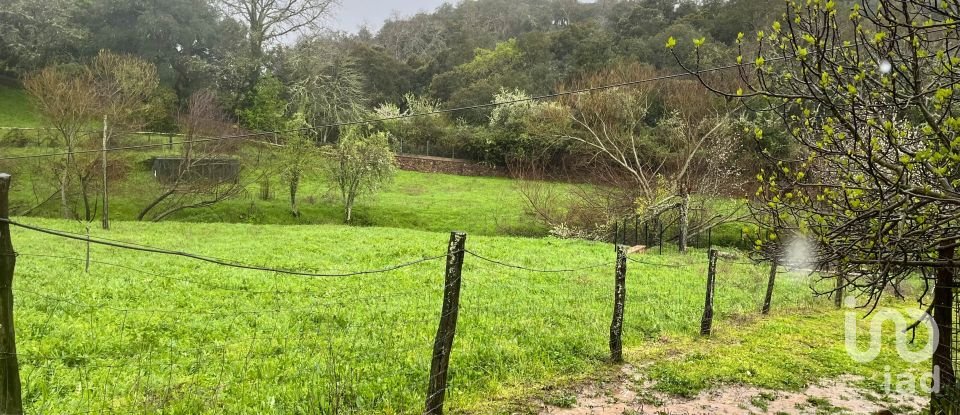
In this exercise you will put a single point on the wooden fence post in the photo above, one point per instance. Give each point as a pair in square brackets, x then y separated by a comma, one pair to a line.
[436, 392]
[706, 323]
[619, 299]
[770, 282]
[106, 187]
[10, 401]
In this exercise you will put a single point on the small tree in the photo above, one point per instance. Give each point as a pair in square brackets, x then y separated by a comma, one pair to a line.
[67, 98]
[267, 112]
[188, 188]
[360, 164]
[125, 86]
[298, 157]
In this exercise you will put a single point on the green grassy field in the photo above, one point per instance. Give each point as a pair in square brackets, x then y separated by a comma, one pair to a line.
[425, 201]
[16, 110]
[145, 333]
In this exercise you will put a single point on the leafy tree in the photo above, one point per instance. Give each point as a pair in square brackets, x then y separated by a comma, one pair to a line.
[521, 129]
[386, 80]
[268, 109]
[38, 33]
[481, 78]
[185, 39]
[360, 164]
[421, 131]
[267, 112]
[870, 97]
[326, 85]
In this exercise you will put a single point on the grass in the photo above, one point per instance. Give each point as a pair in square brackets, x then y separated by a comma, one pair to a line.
[16, 109]
[175, 336]
[424, 201]
[797, 349]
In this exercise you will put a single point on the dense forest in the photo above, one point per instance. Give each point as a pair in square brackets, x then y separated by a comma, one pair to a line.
[460, 55]
[475, 66]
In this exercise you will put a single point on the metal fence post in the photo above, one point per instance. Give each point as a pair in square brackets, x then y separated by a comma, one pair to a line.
[706, 323]
[436, 392]
[11, 401]
[619, 300]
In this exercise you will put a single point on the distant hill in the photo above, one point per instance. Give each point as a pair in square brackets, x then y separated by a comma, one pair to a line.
[16, 110]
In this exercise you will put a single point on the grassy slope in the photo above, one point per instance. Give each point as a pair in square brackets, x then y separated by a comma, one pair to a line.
[195, 338]
[16, 110]
[432, 202]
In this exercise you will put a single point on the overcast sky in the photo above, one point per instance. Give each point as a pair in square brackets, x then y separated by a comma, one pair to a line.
[352, 14]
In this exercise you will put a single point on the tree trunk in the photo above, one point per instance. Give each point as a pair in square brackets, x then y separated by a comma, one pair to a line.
[294, 185]
[943, 309]
[684, 219]
[64, 204]
[155, 202]
[85, 197]
[265, 189]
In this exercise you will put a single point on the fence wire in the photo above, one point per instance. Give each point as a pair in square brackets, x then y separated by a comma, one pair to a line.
[114, 334]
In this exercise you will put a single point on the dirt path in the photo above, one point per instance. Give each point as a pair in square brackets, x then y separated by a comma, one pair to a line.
[629, 395]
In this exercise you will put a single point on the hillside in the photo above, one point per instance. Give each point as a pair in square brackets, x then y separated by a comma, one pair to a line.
[16, 110]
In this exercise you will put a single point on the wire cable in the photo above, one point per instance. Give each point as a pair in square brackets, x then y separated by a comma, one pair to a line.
[216, 261]
[544, 271]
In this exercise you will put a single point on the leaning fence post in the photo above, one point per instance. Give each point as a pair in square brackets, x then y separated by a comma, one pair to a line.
[706, 323]
[619, 299]
[10, 400]
[437, 389]
[773, 276]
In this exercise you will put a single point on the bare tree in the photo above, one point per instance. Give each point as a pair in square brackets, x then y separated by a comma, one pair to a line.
[124, 85]
[666, 161]
[268, 21]
[67, 98]
[190, 187]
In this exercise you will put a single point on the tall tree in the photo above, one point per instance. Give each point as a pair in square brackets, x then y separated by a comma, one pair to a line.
[185, 39]
[871, 98]
[38, 33]
[325, 85]
[270, 21]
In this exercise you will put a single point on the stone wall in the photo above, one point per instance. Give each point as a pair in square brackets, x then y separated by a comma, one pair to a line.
[429, 164]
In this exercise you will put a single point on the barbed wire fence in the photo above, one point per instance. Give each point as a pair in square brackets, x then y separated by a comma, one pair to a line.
[294, 342]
